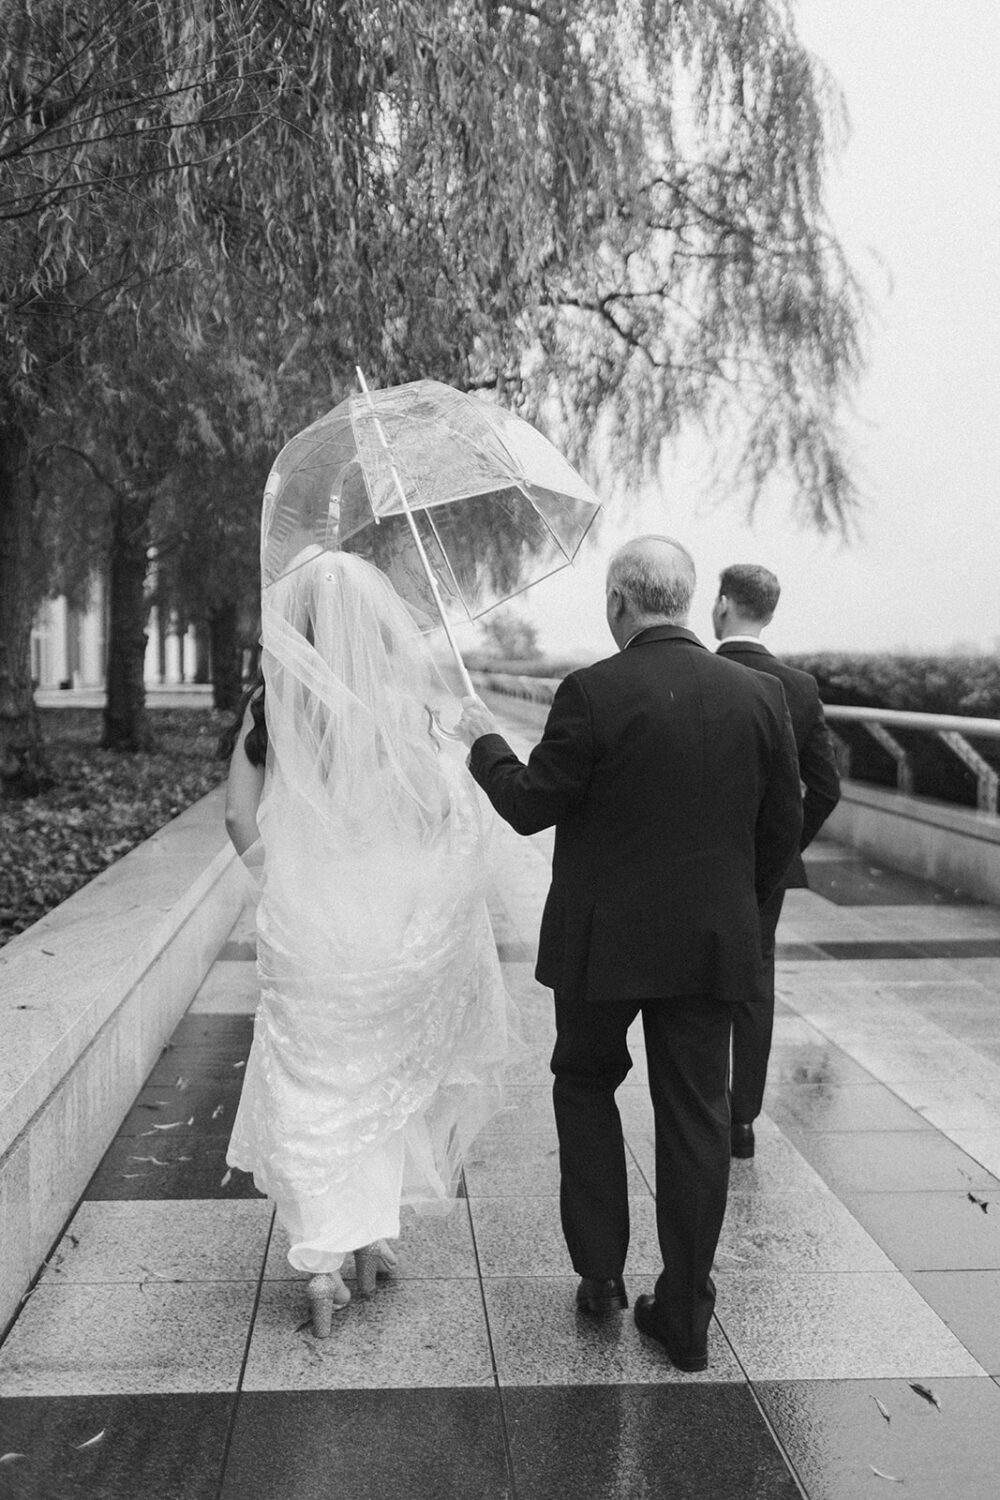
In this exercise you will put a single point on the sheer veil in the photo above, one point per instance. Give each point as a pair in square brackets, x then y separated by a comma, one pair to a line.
[350, 685]
[383, 1027]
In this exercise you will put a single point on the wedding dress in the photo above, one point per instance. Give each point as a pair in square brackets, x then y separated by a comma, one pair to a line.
[383, 1026]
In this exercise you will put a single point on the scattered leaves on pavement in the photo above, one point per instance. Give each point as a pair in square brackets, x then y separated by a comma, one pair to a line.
[92, 1442]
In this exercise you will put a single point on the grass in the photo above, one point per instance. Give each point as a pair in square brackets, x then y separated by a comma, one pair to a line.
[101, 806]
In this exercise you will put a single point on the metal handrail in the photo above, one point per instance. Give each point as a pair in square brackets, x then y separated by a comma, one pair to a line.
[953, 730]
[987, 729]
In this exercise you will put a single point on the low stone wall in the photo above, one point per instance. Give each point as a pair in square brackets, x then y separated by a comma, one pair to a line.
[88, 998]
[956, 847]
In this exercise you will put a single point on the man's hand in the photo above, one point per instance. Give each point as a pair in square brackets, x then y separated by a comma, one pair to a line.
[476, 721]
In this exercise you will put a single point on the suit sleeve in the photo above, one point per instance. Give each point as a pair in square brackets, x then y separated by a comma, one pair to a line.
[820, 778]
[534, 796]
[779, 817]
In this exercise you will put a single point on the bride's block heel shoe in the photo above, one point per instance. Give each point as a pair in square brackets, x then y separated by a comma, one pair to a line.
[370, 1262]
[327, 1294]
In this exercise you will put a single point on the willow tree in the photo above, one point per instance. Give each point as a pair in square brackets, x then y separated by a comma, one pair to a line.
[609, 214]
[107, 114]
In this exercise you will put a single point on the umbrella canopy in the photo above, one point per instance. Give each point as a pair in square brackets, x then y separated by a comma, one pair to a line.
[496, 507]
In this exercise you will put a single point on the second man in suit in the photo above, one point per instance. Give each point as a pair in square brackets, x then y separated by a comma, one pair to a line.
[747, 598]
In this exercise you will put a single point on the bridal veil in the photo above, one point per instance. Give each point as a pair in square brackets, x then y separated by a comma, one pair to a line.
[383, 1029]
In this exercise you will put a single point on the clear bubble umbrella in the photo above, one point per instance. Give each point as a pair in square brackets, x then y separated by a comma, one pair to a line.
[461, 503]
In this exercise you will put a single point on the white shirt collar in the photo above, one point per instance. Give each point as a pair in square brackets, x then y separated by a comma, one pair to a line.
[731, 639]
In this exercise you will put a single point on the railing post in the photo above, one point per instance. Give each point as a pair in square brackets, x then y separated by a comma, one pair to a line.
[904, 767]
[842, 752]
[986, 778]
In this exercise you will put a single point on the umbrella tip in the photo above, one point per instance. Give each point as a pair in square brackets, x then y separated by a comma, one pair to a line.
[362, 382]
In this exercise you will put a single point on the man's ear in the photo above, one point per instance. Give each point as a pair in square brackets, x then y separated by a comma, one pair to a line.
[616, 603]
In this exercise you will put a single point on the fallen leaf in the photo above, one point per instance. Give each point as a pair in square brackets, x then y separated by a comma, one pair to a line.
[10, 1458]
[191, 1120]
[92, 1442]
[181, 1084]
[882, 1409]
[217, 1111]
[227, 1179]
[176, 1125]
[241, 1064]
[894, 1478]
[982, 1203]
[926, 1392]
[154, 1159]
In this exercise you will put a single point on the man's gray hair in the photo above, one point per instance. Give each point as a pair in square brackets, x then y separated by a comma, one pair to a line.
[653, 580]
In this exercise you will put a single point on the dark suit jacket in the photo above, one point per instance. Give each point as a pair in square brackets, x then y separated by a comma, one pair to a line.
[672, 781]
[817, 761]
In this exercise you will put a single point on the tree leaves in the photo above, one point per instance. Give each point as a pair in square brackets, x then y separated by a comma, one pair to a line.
[925, 1393]
[882, 1409]
[622, 204]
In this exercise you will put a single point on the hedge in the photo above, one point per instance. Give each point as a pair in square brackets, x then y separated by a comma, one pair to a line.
[967, 685]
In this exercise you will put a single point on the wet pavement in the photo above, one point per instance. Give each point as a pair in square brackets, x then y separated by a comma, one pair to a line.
[856, 1348]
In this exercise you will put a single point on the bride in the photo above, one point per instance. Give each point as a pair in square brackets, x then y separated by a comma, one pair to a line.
[382, 1030]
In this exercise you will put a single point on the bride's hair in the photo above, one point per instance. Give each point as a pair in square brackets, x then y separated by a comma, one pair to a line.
[255, 742]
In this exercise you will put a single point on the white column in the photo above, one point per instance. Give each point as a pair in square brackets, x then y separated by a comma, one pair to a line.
[58, 655]
[92, 639]
[190, 649]
[173, 653]
[151, 661]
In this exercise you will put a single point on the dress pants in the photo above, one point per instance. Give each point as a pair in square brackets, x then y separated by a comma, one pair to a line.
[687, 1050]
[753, 1024]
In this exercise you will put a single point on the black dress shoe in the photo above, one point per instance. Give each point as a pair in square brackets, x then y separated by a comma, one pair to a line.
[688, 1360]
[599, 1298]
[741, 1139]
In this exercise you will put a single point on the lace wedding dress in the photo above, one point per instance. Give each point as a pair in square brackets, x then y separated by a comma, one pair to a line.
[383, 1026]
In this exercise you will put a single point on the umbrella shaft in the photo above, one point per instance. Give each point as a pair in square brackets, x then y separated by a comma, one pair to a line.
[463, 672]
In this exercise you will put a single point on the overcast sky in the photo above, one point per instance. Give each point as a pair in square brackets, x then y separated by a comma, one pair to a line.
[918, 183]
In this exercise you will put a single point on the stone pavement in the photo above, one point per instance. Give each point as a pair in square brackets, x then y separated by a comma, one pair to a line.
[163, 1355]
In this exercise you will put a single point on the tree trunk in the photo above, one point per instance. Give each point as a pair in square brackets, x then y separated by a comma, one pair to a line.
[227, 657]
[22, 762]
[126, 723]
